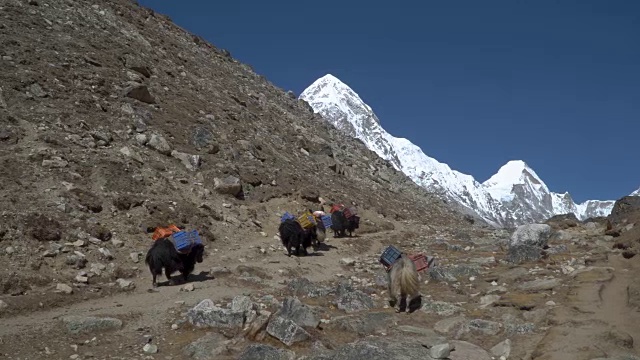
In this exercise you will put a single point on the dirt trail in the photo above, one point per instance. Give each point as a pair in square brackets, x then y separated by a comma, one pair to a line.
[147, 304]
[594, 319]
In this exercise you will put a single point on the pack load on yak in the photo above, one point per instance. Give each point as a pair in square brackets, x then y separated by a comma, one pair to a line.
[307, 220]
[391, 254]
[182, 240]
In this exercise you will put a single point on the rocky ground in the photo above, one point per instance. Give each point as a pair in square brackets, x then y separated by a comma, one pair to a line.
[487, 297]
[113, 119]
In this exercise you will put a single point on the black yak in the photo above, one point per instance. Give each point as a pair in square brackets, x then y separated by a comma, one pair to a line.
[163, 254]
[403, 280]
[339, 223]
[293, 235]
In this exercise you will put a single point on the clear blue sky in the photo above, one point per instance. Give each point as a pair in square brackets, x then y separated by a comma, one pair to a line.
[473, 83]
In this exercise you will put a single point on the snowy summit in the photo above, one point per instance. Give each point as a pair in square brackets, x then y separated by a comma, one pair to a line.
[514, 195]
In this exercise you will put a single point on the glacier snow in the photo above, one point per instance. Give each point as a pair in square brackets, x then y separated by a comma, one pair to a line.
[514, 195]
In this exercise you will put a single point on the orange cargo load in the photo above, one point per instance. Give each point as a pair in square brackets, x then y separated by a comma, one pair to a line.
[163, 232]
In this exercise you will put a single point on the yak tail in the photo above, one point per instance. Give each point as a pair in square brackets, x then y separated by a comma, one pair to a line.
[404, 277]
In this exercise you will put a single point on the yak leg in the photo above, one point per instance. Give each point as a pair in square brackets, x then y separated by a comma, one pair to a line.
[403, 302]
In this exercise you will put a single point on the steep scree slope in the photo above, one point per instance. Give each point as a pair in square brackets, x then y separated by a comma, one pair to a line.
[113, 119]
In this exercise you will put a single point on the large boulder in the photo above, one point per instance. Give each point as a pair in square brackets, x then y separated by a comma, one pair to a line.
[531, 235]
[229, 185]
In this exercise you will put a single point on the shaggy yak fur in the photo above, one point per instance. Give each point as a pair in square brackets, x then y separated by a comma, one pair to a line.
[293, 235]
[403, 279]
[163, 254]
[341, 224]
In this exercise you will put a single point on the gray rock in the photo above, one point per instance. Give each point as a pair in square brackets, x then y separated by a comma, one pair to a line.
[519, 254]
[150, 348]
[362, 324]
[201, 137]
[88, 324]
[484, 326]
[206, 314]
[55, 162]
[191, 162]
[453, 273]
[502, 349]
[531, 235]
[515, 328]
[304, 287]
[243, 304]
[230, 185]
[298, 312]
[141, 139]
[440, 308]
[468, 351]
[158, 143]
[350, 299]
[446, 326]
[287, 331]
[208, 347]
[36, 90]
[131, 154]
[125, 284]
[441, 351]
[427, 336]
[540, 285]
[266, 352]
[3, 305]
[102, 135]
[64, 288]
[488, 300]
[407, 348]
[559, 249]
[139, 92]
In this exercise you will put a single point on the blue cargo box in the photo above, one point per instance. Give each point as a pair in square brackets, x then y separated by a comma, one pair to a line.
[390, 255]
[326, 221]
[286, 216]
[186, 239]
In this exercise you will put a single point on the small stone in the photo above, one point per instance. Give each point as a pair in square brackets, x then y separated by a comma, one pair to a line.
[550, 303]
[64, 288]
[440, 351]
[79, 243]
[502, 349]
[106, 253]
[3, 305]
[174, 326]
[188, 287]
[82, 279]
[348, 261]
[125, 284]
[150, 349]
[117, 243]
[9, 250]
[135, 256]
[140, 93]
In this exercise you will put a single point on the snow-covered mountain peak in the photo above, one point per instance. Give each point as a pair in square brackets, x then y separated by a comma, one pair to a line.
[514, 172]
[514, 195]
[331, 91]
[636, 193]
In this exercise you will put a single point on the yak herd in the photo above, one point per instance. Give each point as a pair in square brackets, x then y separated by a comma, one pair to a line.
[167, 254]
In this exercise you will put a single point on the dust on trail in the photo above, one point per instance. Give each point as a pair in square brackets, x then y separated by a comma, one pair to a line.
[149, 305]
[594, 319]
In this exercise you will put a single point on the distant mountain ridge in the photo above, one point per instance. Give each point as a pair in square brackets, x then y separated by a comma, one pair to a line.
[514, 195]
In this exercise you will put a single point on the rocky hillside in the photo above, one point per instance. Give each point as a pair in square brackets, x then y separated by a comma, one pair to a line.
[514, 195]
[113, 119]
